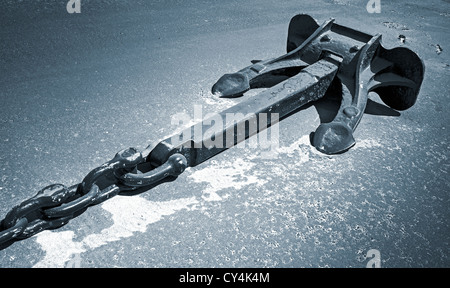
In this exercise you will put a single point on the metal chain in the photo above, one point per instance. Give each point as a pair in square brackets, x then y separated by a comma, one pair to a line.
[55, 205]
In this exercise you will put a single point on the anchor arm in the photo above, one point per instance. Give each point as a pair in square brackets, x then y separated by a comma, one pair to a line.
[260, 74]
[273, 71]
[395, 75]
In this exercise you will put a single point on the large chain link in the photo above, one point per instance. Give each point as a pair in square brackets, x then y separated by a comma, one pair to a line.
[55, 205]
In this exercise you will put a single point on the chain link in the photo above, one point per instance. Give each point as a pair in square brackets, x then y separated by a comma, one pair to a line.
[55, 205]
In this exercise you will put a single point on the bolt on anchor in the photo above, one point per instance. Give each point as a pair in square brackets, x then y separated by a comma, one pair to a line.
[318, 58]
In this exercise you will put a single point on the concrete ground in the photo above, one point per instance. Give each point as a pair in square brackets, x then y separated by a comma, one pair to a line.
[77, 88]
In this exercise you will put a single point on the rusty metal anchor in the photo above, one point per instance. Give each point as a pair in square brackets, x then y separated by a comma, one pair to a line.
[364, 66]
[318, 57]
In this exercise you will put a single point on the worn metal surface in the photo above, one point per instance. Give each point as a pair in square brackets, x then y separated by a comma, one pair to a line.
[301, 209]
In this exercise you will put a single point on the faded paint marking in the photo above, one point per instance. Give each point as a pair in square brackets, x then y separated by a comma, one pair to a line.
[130, 214]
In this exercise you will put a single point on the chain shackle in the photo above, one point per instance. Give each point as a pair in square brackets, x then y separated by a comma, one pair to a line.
[124, 161]
[174, 166]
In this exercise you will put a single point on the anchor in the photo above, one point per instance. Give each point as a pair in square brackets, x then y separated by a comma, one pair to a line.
[360, 65]
[318, 59]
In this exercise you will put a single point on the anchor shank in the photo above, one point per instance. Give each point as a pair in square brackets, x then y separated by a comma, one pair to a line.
[277, 102]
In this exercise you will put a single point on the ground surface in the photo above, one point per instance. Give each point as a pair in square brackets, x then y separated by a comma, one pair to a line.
[76, 88]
